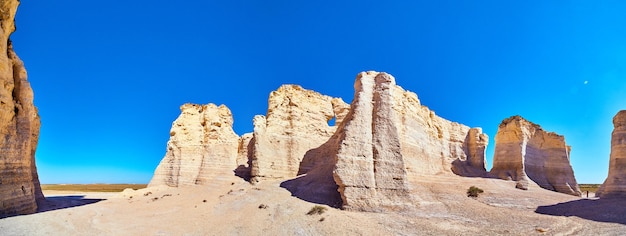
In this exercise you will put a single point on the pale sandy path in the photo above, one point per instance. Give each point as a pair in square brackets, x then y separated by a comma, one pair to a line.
[232, 208]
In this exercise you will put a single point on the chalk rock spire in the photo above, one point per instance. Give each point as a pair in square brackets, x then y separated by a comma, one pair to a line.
[525, 152]
[615, 183]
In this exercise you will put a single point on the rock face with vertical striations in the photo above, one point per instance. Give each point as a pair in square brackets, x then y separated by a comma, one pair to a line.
[296, 121]
[615, 183]
[19, 126]
[369, 170]
[524, 152]
[382, 142]
[203, 147]
[387, 139]
[433, 145]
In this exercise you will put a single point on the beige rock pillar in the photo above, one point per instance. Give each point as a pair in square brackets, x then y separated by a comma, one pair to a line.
[615, 183]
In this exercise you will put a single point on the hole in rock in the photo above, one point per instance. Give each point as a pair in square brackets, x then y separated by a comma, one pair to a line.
[331, 122]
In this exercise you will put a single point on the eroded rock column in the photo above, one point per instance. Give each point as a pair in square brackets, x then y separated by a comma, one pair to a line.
[615, 183]
[525, 152]
[19, 126]
[202, 148]
[369, 170]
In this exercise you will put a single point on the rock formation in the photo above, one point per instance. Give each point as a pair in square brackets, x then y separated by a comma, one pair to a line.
[615, 183]
[433, 145]
[370, 171]
[19, 126]
[202, 147]
[383, 140]
[524, 152]
[246, 148]
[296, 121]
[387, 139]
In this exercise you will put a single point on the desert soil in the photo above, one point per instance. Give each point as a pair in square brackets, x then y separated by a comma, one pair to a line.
[235, 207]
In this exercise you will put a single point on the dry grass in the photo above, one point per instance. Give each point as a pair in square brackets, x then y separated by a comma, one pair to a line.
[589, 187]
[474, 191]
[316, 210]
[91, 187]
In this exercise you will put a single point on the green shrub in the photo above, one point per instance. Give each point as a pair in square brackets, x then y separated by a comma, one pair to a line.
[317, 210]
[474, 191]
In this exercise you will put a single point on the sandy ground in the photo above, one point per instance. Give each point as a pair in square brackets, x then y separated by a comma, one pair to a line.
[232, 207]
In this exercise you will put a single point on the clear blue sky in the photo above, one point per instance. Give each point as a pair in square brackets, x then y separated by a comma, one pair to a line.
[109, 76]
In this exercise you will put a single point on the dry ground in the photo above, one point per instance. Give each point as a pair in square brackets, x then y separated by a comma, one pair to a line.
[234, 207]
[91, 187]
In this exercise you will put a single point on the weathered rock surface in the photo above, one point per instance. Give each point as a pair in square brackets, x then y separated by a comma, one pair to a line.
[370, 171]
[244, 157]
[387, 139]
[524, 152]
[433, 145]
[203, 147]
[383, 140]
[615, 183]
[19, 126]
[296, 122]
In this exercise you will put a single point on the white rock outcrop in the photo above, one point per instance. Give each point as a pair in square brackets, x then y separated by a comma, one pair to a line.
[615, 183]
[203, 147]
[382, 141]
[524, 152]
[387, 139]
[296, 122]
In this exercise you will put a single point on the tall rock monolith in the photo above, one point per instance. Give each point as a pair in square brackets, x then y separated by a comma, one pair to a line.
[386, 140]
[615, 183]
[524, 152]
[202, 148]
[19, 126]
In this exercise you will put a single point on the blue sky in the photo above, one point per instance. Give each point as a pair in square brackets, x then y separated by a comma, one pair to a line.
[109, 76]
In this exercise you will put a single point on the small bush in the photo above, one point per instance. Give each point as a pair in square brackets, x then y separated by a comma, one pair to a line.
[474, 191]
[317, 210]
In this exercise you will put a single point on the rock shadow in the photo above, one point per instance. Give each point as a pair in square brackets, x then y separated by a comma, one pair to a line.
[243, 171]
[315, 182]
[63, 202]
[610, 210]
[464, 167]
